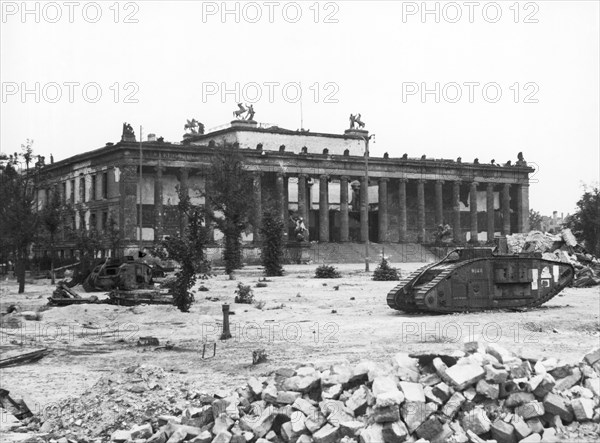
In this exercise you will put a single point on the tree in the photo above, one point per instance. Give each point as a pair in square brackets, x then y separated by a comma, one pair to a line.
[87, 242]
[535, 220]
[585, 222]
[188, 248]
[19, 217]
[229, 202]
[51, 219]
[272, 246]
[113, 236]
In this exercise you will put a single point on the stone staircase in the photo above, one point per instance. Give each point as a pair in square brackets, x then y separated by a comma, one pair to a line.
[355, 253]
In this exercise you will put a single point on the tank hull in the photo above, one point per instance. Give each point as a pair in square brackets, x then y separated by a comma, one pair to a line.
[481, 284]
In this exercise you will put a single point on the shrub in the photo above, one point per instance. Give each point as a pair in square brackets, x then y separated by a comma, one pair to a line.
[272, 246]
[385, 272]
[259, 356]
[327, 271]
[244, 294]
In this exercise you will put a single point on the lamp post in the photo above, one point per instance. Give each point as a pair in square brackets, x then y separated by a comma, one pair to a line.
[366, 198]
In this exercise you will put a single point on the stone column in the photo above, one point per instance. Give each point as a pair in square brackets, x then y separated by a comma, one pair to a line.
[344, 223]
[207, 205]
[383, 210]
[457, 231]
[158, 203]
[257, 188]
[473, 208]
[184, 174]
[489, 196]
[439, 203]
[364, 210]
[280, 195]
[128, 212]
[402, 208]
[302, 197]
[420, 211]
[286, 207]
[323, 209]
[506, 209]
[523, 207]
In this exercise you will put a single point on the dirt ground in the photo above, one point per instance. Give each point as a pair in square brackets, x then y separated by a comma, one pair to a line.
[302, 320]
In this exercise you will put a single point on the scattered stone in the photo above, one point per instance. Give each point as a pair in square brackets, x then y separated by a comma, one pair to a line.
[533, 438]
[555, 405]
[490, 390]
[464, 375]
[406, 367]
[387, 415]
[327, 434]
[413, 392]
[583, 408]
[395, 432]
[487, 393]
[477, 421]
[453, 405]
[529, 410]
[503, 432]
[429, 429]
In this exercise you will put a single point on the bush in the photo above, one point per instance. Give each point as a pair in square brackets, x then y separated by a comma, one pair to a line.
[272, 246]
[327, 271]
[385, 272]
[244, 294]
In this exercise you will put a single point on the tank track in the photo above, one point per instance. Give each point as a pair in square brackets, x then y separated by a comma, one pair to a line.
[399, 289]
[422, 292]
[418, 302]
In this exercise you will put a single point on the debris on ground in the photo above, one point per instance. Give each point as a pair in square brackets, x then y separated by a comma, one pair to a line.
[140, 297]
[481, 393]
[63, 295]
[23, 358]
[561, 247]
[148, 341]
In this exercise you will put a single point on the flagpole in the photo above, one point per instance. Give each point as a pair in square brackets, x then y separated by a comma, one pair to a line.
[140, 192]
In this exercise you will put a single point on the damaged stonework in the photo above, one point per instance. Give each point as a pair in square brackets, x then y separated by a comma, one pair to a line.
[309, 175]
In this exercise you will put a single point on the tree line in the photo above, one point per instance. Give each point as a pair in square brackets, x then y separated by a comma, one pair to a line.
[229, 207]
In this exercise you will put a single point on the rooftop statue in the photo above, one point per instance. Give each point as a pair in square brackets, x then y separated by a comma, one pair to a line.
[248, 110]
[250, 113]
[238, 114]
[355, 120]
[521, 160]
[128, 133]
[194, 127]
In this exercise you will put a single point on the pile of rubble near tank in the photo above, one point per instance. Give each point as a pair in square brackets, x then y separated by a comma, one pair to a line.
[484, 393]
[562, 247]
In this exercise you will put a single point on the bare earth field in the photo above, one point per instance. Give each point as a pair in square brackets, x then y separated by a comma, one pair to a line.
[303, 320]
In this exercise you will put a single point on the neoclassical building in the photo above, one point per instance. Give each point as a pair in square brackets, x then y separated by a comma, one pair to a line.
[318, 176]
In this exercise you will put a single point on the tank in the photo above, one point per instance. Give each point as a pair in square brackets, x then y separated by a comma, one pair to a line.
[479, 279]
[123, 273]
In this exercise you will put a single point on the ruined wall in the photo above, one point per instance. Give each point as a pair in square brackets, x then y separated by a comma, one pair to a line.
[271, 141]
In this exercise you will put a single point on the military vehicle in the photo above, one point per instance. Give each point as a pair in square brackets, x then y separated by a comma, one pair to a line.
[479, 279]
[122, 273]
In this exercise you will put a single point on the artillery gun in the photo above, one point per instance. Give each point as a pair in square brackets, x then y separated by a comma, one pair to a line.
[480, 279]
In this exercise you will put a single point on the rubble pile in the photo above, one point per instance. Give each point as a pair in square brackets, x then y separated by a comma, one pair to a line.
[562, 247]
[484, 393]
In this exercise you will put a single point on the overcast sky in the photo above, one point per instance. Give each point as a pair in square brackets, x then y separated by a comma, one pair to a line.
[164, 62]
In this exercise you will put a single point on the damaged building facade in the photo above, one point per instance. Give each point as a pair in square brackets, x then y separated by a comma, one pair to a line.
[317, 176]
